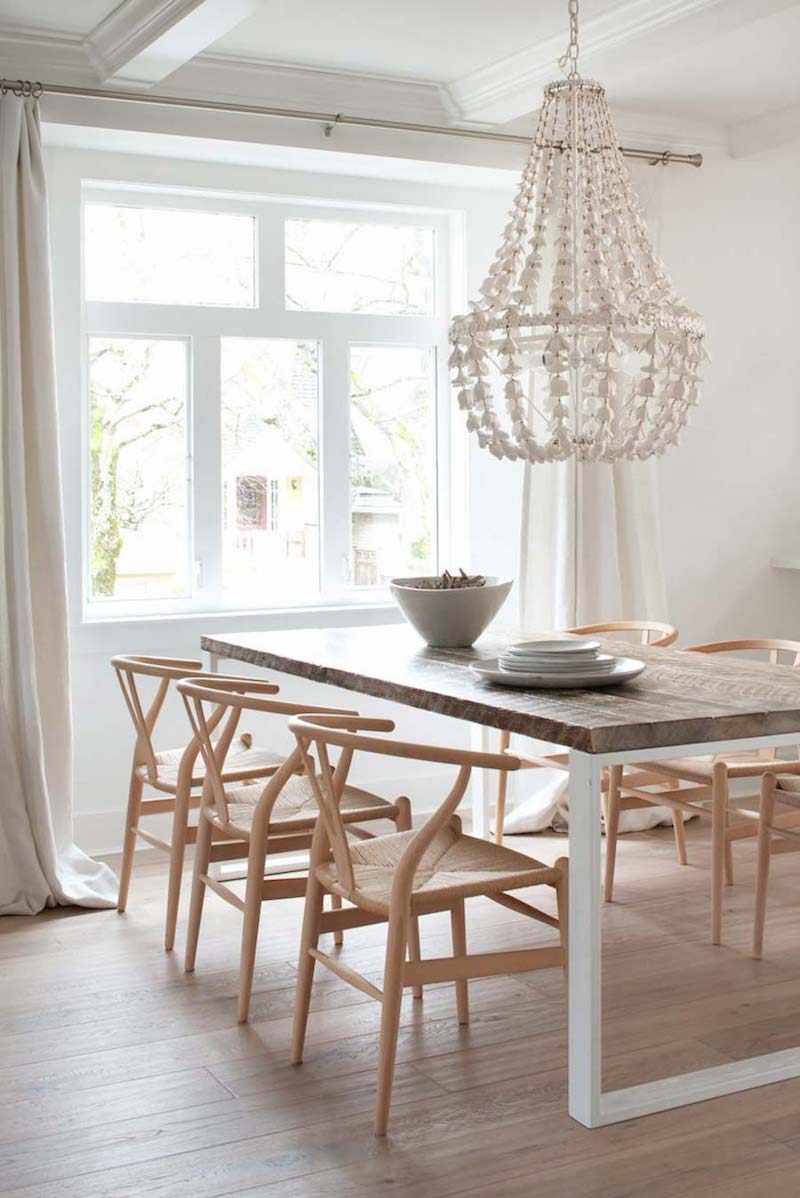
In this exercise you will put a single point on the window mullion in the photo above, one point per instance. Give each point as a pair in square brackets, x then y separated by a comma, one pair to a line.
[207, 470]
[335, 458]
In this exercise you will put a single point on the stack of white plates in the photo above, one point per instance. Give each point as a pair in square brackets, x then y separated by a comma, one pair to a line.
[565, 662]
[553, 657]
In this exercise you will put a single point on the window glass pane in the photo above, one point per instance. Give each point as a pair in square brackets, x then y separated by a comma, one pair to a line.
[392, 462]
[169, 256]
[270, 467]
[137, 460]
[333, 266]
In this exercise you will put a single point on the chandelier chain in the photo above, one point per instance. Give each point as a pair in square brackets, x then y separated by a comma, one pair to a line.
[569, 60]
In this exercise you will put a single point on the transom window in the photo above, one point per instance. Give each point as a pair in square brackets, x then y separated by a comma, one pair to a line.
[266, 400]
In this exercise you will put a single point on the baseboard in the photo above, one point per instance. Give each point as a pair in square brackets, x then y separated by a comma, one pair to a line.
[100, 832]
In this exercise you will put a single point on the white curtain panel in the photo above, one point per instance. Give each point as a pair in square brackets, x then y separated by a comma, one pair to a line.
[590, 545]
[39, 864]
[590, 551]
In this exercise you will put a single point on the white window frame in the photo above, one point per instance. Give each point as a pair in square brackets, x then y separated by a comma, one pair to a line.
[204, 326]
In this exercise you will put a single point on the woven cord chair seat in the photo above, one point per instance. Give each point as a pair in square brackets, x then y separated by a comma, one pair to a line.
[243, 761]
[701, 769]
[296, 807]
[453, 866]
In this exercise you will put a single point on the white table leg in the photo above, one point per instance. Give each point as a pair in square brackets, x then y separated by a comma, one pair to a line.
[213, 663]
[585, 910]
[587, 1102]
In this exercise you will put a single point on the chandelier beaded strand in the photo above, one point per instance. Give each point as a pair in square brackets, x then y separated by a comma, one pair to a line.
[578, 326]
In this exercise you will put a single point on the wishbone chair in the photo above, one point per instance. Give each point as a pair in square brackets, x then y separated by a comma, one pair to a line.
[176, 773]
[395, 879]
[774, 836]
[708, 794]
[260, 820]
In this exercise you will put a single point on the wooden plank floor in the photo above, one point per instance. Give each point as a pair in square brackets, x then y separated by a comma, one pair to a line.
[120, 1076]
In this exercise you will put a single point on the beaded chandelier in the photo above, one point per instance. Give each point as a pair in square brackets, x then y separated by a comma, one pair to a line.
[579, 345]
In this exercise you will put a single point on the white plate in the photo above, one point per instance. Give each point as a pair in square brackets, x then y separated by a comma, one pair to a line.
[574, 644]
[538, 667]
[625, 668]
[600, 663]
[551, 659]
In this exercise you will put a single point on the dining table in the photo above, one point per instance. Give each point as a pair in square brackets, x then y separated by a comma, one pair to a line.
[683, 704]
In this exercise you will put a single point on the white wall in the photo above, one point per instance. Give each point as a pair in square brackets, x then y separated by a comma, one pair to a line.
[729, 237]
[730, 491]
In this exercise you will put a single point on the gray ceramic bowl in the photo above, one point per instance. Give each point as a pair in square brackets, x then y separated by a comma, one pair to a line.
[450, 619]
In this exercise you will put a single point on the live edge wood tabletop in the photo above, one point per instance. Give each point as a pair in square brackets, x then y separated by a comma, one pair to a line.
[681, 698]
[684, 704]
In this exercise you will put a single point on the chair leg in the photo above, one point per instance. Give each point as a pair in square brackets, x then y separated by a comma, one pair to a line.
[129, 841]
[309, 938]
[180, 822]
[762, 874]
[612, 828]
[719, 804]
[458, 926]
[414, 950]
[728, 845]
[404, 824]
[390, 1018]
[202, 852]
[256, 862]
[680, 836]
[336, 905]
[502, 791]
[562, 902]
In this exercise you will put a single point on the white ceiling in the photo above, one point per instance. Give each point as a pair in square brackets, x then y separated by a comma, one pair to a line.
[427, 39]
[55, 16]
[705, 71]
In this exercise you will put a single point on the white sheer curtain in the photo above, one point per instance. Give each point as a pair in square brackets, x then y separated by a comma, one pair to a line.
[39, 864]
[590, 545]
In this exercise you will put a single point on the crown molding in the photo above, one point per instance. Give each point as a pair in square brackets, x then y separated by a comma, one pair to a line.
[32, 54]
[289, 85]
[129, 29]
[506, 89]
[142, 41]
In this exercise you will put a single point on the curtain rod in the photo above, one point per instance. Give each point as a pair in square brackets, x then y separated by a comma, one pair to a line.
[327, 119]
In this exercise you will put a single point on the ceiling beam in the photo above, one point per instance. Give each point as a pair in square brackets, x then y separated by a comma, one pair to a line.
[624, 37]
[143, 41]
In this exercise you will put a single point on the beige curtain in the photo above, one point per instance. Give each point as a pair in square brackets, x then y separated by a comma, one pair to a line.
[39, 863]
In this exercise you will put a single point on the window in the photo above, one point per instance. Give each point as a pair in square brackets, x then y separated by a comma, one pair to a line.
[137, 467]
[274, 511]
[265, 391]
[270, 401]
[251, 502]
[381, 269]
[392, 462]
[168, 256]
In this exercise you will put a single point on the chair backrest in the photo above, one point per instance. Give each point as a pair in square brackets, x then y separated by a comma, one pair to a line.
[214, 697]
[348, 734]
[772, 646]
[649, 632]
[130, 668]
